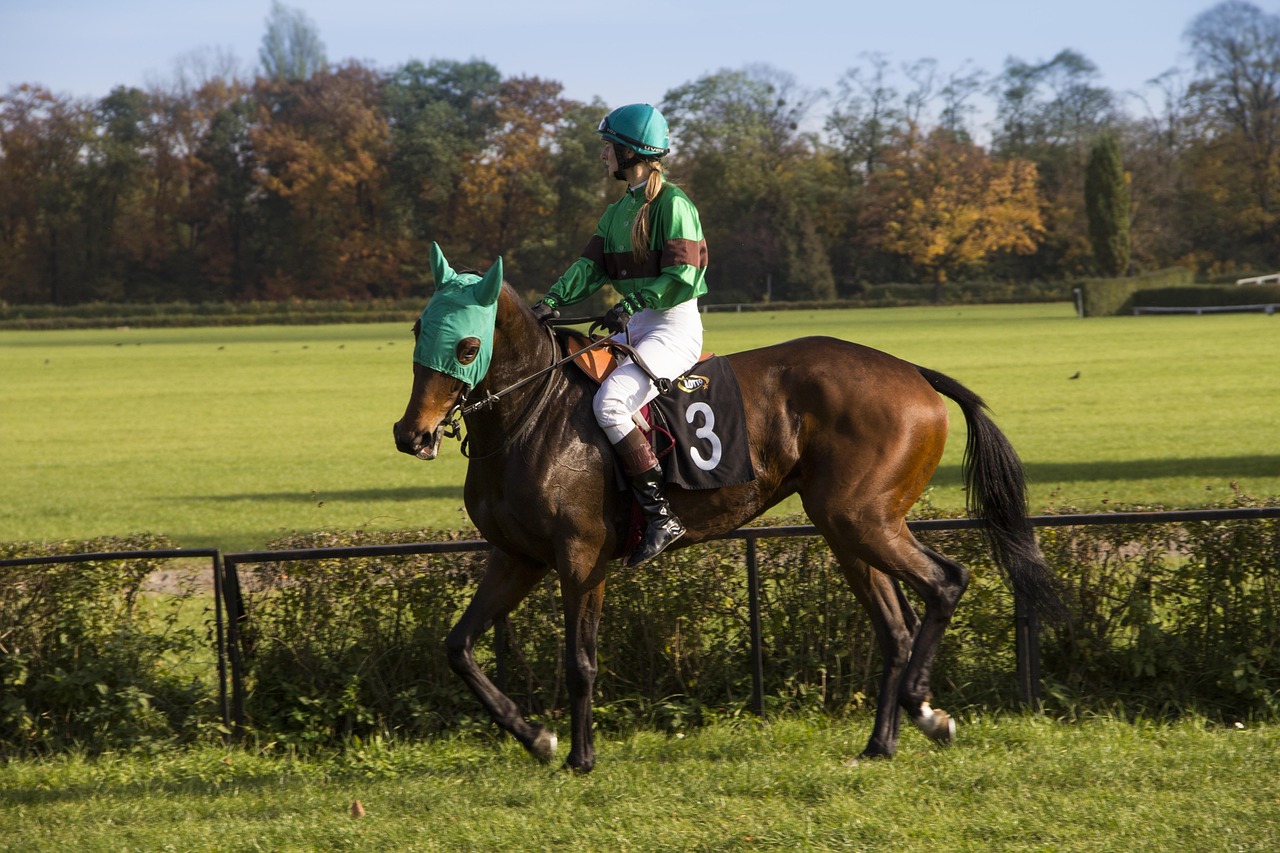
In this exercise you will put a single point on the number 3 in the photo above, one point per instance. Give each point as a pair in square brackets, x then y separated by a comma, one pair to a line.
[705, 432]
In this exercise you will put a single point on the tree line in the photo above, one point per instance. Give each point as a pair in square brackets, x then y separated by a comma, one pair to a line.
[328, 181]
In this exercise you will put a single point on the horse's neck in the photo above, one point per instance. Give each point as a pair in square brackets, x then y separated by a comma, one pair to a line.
[521, 348]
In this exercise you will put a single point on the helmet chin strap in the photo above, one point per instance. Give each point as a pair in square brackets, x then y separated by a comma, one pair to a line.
[626, 159]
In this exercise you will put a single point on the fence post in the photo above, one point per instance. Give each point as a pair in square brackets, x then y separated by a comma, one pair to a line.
[219, 624]
[757, 642]
[233, 601]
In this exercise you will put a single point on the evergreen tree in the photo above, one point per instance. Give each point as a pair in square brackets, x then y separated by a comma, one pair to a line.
[1106, 194]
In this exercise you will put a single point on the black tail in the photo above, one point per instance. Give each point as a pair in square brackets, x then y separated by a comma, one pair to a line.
[997, 494]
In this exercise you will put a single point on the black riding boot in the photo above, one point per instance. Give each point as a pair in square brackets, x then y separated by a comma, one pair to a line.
[642, 468]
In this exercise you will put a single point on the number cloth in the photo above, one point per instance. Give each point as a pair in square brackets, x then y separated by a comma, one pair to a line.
[703, 412]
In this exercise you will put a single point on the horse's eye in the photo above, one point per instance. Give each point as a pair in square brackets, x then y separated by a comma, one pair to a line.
[467, 350]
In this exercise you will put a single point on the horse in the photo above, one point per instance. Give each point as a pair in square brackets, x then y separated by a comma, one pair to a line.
[856, 432]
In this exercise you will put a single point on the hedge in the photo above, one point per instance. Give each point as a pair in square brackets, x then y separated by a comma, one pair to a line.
[1206, 296]
[91, 659]
[1103, 297]
[1164, 619]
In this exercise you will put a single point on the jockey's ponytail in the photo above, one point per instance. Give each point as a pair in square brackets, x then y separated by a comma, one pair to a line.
[640, 226]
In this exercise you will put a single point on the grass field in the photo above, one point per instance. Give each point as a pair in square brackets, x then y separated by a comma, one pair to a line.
[1011, 783]
[227, 437]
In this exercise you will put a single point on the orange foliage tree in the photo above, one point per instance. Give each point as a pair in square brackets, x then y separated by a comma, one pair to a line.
[509, 192]
[945, 205]
[321, 148]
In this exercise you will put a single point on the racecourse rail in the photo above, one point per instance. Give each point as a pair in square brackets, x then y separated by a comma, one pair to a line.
[229, 605]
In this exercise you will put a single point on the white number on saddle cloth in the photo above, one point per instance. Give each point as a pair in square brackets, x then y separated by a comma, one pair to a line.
[706, 432]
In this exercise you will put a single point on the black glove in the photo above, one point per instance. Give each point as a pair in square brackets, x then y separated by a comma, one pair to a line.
[616, 318]
[544, 310]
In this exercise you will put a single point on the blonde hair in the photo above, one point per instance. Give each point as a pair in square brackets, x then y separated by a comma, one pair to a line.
[640, 226]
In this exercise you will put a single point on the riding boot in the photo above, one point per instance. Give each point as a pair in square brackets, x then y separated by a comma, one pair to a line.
[642, 469]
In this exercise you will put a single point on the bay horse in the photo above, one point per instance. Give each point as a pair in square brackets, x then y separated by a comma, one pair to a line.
[856, 432]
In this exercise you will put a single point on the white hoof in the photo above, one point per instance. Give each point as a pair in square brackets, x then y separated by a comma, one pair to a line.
[544, 746]
[936, 724]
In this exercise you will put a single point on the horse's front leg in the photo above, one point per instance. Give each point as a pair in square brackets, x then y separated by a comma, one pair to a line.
[507, 580]
[583, 594]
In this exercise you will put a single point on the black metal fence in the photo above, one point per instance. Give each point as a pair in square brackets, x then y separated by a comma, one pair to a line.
[230, 615]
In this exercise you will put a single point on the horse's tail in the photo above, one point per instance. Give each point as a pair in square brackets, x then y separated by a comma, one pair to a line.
[997, 494]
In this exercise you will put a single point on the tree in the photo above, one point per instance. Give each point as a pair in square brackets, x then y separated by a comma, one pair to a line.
[42, 196]
[945, 205]
[1106, 190]
[321, 149]
[1237, 50]
[440, 115]
[291, 48]
[866, 115]
[737, 144]
[1050, 113]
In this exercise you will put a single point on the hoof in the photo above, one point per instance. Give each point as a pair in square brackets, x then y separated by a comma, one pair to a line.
[543, 746]
[937, 725]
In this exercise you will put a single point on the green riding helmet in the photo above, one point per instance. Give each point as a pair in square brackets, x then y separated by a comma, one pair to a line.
[639, 127]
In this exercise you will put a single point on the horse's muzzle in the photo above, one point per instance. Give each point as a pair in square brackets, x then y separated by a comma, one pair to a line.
[421, 444]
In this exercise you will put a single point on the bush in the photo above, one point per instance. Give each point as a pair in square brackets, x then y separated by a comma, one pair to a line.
[1163, 618]
[1206, 296]
[100, 315]
[1104, 297]
[90, 658]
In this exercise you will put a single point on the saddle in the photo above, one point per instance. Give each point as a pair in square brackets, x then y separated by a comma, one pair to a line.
[700, 421]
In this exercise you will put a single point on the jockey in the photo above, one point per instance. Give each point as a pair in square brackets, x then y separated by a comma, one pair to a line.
[649, 246]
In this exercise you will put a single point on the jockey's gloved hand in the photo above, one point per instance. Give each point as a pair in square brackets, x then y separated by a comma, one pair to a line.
[617, 317]
[544, 310]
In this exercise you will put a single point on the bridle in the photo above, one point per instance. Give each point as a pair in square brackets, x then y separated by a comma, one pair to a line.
[453, 420]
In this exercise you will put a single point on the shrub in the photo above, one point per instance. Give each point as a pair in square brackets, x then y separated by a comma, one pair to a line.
[1206, 296]
[1163, 618]
[1104, 297]
[90, 658]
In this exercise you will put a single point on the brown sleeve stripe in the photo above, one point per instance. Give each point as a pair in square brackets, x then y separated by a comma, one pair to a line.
[595, 250]
[620, 266]
[685, 252]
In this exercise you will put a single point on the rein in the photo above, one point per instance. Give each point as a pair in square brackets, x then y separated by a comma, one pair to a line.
[453, 424]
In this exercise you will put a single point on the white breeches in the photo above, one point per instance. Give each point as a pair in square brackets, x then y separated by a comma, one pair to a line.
[669, 342]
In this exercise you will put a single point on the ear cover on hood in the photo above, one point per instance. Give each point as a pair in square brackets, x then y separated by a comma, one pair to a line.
[464, 306]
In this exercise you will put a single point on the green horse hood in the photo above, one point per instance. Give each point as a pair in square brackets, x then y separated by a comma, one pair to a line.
[460, 315]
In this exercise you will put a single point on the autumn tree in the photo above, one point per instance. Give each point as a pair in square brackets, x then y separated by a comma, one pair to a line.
[321, 150]
[507, 189]
[945, 205]
[737, 141]
[1106, 190]
[42, 196]
[1049, 113]
[1237, 51]
[440, 116]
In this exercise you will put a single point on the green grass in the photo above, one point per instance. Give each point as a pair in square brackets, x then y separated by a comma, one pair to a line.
[228, 437]
[1011, 783]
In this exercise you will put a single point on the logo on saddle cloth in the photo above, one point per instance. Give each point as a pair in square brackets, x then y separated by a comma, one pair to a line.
[699, 427]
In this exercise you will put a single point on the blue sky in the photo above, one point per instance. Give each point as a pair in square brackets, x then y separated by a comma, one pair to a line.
[86, 47]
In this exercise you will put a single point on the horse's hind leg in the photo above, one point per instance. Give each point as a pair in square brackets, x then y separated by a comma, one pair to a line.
[506, 582]
[938, 580]
[895, 623]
